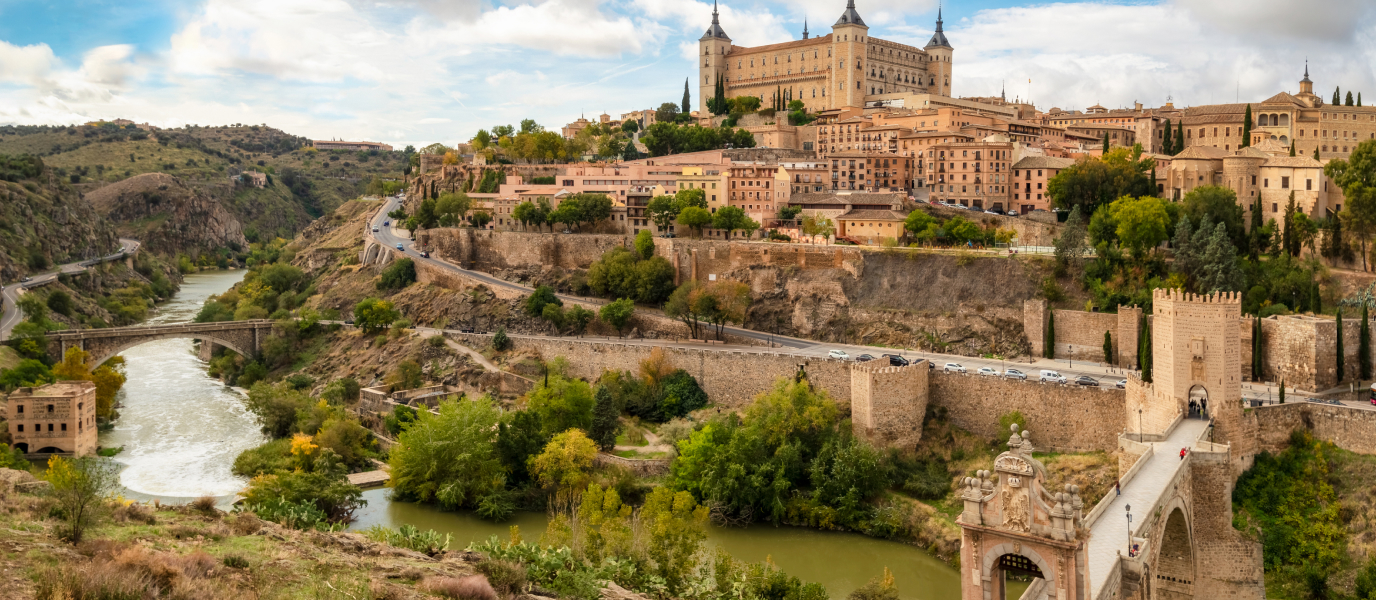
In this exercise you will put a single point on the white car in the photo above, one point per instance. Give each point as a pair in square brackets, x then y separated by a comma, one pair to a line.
[1048, 376]
[953, 368]
[1015, 374]
[987, 372]
[838, 354]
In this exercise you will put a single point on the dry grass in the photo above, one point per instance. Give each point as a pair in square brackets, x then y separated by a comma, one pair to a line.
[205, 505]
[473, 587]
[120, 571]
[246, 523]
[506, 577]
[134, 512]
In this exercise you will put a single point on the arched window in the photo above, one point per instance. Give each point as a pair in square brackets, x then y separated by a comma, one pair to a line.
[1284, 120]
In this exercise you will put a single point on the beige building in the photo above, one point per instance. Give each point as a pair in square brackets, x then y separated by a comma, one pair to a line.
[844, 68]
[1266, 170]
[869, 226]
[58, 418]
[971, 173]
[1030, 176]
[806, 176]
[341, 145]
[711, 180]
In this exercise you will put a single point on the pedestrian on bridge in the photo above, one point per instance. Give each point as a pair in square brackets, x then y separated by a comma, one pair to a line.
[1182, 454]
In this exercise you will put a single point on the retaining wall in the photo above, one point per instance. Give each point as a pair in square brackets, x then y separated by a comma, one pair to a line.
[1352, 429]
[1060, 417]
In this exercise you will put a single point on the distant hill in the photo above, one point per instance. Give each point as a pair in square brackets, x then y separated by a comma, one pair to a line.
[168, 216]
[303, 183]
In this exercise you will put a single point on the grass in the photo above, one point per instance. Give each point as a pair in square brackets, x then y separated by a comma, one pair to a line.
[108, 452]
[636, 454]
[9, 359]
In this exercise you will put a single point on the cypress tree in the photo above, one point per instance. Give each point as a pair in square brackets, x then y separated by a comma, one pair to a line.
[1337, 99]
[605, 424]
[1256, 349]
[1282, 390]
[1349, 98]
[1179, 138]
[1108, 349]
[1050, 337]
[1340, 345]
[686, 108]
[1292, 148]
[1246, 128]
[1359, 98]
[1364, 346]
[1146, 353]
[1318, 300]
[1167, 144]
[1105, 142]
[1316, 153]
[1254, 251]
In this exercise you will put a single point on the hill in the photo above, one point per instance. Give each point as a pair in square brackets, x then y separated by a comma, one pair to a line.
[303, 183]
[45, 221]
[168, 216]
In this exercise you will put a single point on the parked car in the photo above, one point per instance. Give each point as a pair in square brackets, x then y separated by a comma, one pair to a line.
[953, 368]
[987, 372]
[1051, 377]
[400, 247]
[896, 360]
[930, 365]
[974, 208]
[1012, 213]
[1015, 374]
[864, 358]
[992, 211]
[425, 254]
[1122, 384]
[838, 354]
[1086, 381]
[374, 230]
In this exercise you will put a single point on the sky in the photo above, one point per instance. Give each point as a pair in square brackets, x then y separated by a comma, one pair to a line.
[423, 71]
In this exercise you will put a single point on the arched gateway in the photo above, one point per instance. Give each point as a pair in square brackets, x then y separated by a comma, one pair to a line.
[1011, 523]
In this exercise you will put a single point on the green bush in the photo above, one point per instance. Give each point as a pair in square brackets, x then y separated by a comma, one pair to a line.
[398, 275]
[428, 542]
[500, 341]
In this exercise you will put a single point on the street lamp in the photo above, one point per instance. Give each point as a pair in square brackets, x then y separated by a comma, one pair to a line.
[1129, 512]
[1139, 425]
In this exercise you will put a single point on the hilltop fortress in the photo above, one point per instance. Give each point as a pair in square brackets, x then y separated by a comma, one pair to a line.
[846, 67]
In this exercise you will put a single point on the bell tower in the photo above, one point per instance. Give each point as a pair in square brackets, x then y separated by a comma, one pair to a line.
[713, 47]
[939, 53]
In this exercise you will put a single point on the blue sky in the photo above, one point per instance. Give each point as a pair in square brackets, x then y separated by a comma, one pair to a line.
[422, 71]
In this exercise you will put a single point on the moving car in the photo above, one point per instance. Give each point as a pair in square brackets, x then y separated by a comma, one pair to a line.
[1051, 377]
[1015, 374]
[26, 278]
[896, 360]
[987, 372]
[1087, 381]
[1122, 384]
[425, 254]
[838, 354]
[386, 223]
[953, 368]
[864, 358]
[374, 230]
[400, 247]
[1012, 213]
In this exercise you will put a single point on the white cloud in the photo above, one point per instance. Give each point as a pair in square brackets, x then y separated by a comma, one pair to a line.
[1324, 20]
[25, 64]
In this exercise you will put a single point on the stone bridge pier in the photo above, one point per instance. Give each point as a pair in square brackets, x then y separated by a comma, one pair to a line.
[243, 337]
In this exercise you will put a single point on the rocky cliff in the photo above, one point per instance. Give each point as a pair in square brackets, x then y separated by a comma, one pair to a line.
[167, 216]
[43, 221]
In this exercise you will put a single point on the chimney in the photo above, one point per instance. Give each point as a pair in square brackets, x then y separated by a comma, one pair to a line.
[1138, 106]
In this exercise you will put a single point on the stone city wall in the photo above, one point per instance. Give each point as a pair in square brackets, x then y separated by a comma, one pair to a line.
[1080, 334]
[731, 378]
[493, 251]
[1352, 429]
[704, 260]
[1061, 417]
[889, 403]
[1229, 565]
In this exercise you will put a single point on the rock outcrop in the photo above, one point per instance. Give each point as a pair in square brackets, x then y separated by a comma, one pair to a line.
[44, 222]
[168, 216]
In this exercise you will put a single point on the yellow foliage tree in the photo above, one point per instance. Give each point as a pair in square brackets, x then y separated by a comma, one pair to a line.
[73, 366]
[566, 462]
[109, 378]
[302, 447]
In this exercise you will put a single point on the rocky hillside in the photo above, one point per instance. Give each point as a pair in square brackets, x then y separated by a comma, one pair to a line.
[168, 216]
[303, 184]
[45, 221]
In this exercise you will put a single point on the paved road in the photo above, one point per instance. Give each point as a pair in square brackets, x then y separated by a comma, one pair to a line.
[12, 315]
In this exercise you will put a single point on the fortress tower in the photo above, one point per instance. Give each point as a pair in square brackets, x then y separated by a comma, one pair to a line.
[713, 47]
[939, 53]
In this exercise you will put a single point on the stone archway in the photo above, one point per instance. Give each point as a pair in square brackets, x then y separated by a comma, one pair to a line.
[22, 447]
[1198, 402]
[1014, 557]
[1175, 571]
[218, 340]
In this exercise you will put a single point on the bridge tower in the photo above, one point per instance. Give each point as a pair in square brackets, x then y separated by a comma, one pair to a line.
[1196, 361]
[1011, 523]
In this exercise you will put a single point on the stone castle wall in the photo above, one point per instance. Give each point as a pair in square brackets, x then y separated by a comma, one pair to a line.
[889, 403]
[1228, 565]
[1073, 418]
[731, 378]
[1083, 332]
[1351, 429]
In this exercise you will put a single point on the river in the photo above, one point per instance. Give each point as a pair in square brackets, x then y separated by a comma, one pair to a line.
[181, 430]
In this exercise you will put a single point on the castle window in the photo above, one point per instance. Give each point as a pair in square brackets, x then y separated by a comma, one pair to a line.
[50, 427]
[21, 409]
[50, 409]
[21, 429]
[64, 427]
[1308, 184]
[1285, 183]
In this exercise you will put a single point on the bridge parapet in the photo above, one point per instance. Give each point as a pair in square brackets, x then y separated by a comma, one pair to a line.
[244, 337]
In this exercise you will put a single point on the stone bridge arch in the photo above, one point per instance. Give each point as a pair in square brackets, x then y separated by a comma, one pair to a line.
[1173, 568]
[243, 337]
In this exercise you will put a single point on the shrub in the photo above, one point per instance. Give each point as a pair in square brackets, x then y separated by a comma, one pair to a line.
[61, 302]
[428, 542]
[205, 504]
[435, 341]
[542, 296]
[500, 341]
[473, 587]
[449, 457]
[398, 275]
[80, 487]
[506, 577]
[235, 561]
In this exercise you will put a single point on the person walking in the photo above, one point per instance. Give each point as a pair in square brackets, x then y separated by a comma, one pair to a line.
[1182, 454]
[1118, 487]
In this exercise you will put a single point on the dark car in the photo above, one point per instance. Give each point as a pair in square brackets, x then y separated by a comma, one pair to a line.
[26, 278]
[386, 223]
[896, 360]
[1086, 380]
[864, 357]
[425, 254]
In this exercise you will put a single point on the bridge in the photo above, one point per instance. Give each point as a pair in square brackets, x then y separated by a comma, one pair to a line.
[243, 337]
[1168, 534]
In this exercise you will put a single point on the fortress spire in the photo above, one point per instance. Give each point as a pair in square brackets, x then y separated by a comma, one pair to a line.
[938, 38]
[715, 30]
[850, 17]
[805, 33]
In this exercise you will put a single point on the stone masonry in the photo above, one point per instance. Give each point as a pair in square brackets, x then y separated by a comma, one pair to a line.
[888, 403]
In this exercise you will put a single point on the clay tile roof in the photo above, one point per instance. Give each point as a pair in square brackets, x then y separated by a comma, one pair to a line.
[1292, 161]
[1281, 98]
[872, 215]
[1214, 109]
[1250, 152]
[1272, 147]
[1043, 162]
[1202, 153]
[859, 199]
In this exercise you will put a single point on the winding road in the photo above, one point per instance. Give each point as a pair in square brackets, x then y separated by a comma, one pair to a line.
[12, 315]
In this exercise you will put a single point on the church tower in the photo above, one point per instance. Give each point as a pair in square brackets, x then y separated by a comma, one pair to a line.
[713, 47]
[849, 37]
[939, 66]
